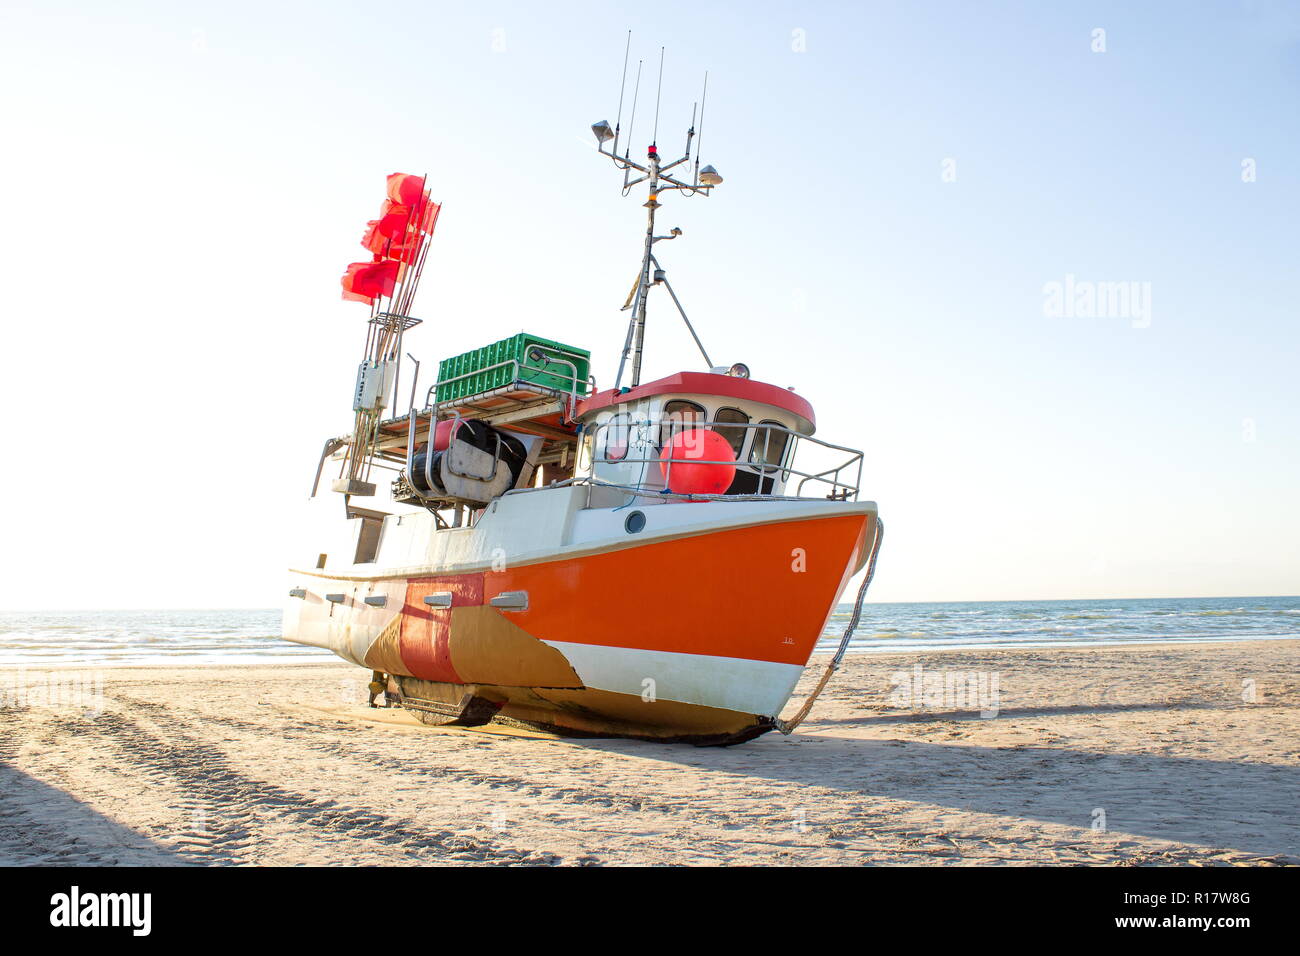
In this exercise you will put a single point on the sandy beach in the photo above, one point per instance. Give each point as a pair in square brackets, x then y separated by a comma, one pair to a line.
[1101, 756]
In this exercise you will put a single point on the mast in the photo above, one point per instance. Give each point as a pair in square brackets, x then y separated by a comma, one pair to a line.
[643, 284]
[656, 174]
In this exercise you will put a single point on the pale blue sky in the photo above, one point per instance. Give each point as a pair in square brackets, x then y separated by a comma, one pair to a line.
[183, 183]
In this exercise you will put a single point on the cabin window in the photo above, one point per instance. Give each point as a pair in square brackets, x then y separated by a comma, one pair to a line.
[734, 436]
[617, 432]
[769, 446]
[678, 416]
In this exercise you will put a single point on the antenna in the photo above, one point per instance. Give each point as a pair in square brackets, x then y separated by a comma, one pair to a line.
[657, 174]
[622, 85]
[631, 123]
[704, 98]
[654, 135]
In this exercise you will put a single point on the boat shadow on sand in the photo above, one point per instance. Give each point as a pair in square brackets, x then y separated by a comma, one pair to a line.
[1217, 803]
[41, 825]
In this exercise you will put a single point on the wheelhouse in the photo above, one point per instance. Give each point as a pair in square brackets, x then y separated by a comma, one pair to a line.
[627, 434]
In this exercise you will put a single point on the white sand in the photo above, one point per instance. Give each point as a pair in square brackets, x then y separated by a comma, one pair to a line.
[279, 765]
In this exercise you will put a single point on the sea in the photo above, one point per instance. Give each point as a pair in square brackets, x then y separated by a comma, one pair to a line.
[119, 638]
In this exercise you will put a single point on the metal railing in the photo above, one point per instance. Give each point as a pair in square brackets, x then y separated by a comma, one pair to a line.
[768, 452]
[840, 481]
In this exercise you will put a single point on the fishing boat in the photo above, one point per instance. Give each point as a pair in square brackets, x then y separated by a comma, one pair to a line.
[653, 560]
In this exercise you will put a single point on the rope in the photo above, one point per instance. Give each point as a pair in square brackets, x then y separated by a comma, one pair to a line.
[788, 726]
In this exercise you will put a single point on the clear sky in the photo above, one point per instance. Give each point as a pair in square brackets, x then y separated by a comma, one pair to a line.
[183, 184]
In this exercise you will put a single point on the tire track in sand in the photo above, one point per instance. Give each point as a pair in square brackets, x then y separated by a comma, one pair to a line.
[239, 813]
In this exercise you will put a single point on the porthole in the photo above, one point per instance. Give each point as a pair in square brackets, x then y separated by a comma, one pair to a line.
[635, 522]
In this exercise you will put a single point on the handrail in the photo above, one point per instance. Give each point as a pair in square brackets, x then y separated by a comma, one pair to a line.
[412, 418]
[573, 388]
[587, 481]
[765, 469]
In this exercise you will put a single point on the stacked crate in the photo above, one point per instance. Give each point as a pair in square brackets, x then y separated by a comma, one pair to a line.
[494, 366]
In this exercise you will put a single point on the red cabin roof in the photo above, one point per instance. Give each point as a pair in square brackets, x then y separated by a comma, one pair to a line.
[706, 383]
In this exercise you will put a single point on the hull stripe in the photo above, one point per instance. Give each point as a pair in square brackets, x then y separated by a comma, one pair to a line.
[751, 687]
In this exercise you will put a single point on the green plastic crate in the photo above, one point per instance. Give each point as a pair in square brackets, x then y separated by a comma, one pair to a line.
[472, 373]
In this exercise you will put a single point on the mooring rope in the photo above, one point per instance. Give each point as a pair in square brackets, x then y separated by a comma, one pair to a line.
[788, 726]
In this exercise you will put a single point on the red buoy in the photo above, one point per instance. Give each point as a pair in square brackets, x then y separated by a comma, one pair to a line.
[698, 461]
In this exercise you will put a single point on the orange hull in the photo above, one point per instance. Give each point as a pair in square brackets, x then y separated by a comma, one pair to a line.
[699, 637]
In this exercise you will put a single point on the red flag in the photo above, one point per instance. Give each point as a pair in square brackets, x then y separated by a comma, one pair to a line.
[349, 284]
[429, 215]
[367, 281]
[405, 189]
[404, 248]
[407, 251]
[393, 219]
[379, 279]
[374, 241]
[396, 237]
